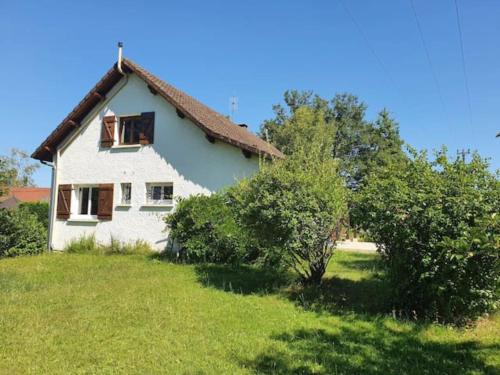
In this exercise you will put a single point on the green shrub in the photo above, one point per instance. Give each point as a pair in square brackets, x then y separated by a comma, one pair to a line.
[39, 209]
[88, 244]
[21, 233]
[437, 224]
[205, 229]
[293, 206]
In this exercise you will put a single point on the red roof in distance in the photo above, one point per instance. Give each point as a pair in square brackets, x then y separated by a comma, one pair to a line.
[29, 194]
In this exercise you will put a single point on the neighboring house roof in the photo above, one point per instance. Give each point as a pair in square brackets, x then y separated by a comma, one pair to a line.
[24, 194]
[8, 202]
[212, 123]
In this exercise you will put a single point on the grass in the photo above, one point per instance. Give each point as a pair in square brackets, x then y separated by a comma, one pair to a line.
[88, 313]
[89, 245]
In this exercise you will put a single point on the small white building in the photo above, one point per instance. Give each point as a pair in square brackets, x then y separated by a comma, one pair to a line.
[130, 148]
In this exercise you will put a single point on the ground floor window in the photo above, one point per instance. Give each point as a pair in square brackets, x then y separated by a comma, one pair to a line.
[88, 198]
[159, 193]
[126, 193]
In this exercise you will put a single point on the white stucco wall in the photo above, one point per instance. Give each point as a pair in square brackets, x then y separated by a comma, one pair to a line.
[180, 154]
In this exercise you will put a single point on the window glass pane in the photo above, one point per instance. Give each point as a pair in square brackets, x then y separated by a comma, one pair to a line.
[156, 193]
[126, 193]
[94, 201]
[168, 192]
[122, 132]
[84, 201]
[130, 129]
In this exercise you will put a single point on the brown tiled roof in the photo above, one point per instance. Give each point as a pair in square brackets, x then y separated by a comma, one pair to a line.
[30, 194]
[24, 194]
[212, 123]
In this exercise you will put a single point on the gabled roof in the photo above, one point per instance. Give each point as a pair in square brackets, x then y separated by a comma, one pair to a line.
[212, 123]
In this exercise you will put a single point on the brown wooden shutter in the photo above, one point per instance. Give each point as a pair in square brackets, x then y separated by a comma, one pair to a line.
[108, 131]
[148, 128]
[63, 201]
[105, 203]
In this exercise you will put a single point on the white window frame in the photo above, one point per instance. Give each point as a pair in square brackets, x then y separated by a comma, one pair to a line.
[79, 202]
[123, 201]
[159, 202]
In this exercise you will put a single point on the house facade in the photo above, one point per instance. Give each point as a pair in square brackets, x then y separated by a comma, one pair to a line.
[130, 148]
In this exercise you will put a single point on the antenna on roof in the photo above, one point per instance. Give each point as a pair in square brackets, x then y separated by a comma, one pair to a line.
[233, 104]
[120, 57]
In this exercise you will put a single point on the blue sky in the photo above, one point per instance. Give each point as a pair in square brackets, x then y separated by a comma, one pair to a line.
[53, 53]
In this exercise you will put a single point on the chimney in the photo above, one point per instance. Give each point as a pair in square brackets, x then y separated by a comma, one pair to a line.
[120, 56]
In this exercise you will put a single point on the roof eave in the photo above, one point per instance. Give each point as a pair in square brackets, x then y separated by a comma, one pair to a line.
[45, 151]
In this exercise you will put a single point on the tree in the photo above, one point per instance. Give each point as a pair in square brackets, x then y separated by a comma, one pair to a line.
[359, 146]
[293, 206]
[437, 226]
[16, 170]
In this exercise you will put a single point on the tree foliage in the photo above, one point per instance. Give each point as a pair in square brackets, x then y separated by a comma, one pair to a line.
[16, 170]
[293, 206]
[437, 225]
[359, 146]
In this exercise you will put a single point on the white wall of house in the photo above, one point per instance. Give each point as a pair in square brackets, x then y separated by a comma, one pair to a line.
[180, 154]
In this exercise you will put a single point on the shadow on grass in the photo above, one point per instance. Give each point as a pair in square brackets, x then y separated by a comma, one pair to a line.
[335, 295]
[242, 279]
[361, 342]
[343, 296]
[357, 347]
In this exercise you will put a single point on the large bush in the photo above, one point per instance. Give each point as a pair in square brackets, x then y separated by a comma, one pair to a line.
[293, 206]
[21, 233]
[39, 209]
[437, 225]
[205, 229]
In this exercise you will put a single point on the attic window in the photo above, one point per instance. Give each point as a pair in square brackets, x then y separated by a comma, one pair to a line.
[136, 130]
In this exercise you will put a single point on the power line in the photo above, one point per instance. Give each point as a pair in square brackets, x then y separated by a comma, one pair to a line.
[463, 61]
[429, 61]
[372, 49]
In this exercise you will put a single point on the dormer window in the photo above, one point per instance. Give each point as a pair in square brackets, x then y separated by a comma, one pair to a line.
[135, 130]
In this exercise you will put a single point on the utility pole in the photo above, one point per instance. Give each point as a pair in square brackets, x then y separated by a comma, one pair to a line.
[463, 153]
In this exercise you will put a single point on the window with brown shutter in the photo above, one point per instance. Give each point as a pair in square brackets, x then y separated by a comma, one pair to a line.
[105, 202]
[108, 131]
[63, 201]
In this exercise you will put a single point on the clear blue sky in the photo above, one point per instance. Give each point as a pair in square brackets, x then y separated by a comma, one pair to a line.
[54, 52]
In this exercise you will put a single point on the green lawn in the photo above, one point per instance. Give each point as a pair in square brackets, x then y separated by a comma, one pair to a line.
[69, 313]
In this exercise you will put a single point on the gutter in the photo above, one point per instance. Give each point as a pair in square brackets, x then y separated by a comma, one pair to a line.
[53, 203]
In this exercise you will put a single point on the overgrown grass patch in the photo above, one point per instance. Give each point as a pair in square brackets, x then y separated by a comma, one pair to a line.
[86, 313]
[89, 245]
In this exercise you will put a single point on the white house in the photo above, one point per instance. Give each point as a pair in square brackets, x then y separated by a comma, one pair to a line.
[130, 148]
